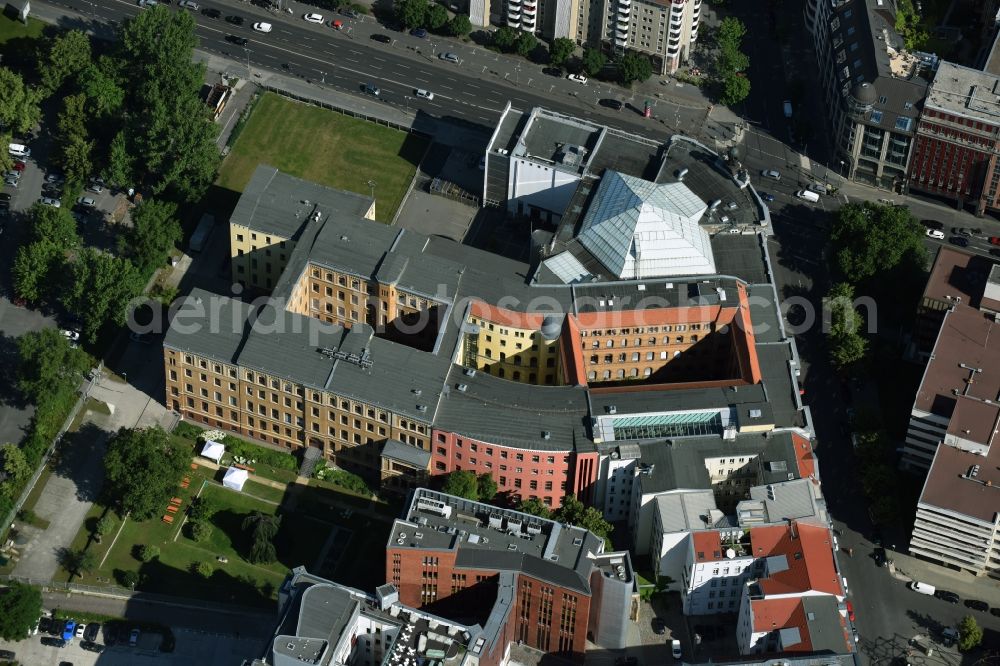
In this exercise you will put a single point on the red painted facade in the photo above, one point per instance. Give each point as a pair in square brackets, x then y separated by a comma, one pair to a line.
[525, 473]
[955, 157]
[545, 616]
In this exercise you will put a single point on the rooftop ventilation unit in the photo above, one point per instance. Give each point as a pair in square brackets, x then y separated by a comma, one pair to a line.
[512, 546]
[463, 387]
[418, 535]
[715, 204]
[577, 541]
[421, 408]
[546, 434]
[612, 409]
[416, 391]
[470, 372]
[681, 173]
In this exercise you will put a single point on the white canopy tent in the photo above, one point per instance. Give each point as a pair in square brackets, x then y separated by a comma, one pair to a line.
[213, 450]
[235, 478]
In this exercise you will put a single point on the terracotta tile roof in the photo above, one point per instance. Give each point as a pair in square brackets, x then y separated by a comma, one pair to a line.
[808, 559]
[705, 545]
[804, 457]
[782, 613]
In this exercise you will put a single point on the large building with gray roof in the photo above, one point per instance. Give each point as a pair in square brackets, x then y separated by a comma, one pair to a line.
[525, 578]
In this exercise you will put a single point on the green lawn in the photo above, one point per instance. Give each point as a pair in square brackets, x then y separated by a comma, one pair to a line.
[299, 542]
[11, 29]
[325, 147]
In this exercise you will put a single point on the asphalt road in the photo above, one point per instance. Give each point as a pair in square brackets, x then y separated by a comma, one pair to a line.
[475, 90]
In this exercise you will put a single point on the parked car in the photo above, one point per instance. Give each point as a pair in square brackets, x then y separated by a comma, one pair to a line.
[423, 94]
[577, 78]
[675, 649]
[10, 181]
[552, 71]
[7, 654]
[92, 631]
[922, 588]
[945, 595]
[189, 4]
[949, 636]
[49, 201]
[767, 197]
[449, 57]
[313, 17]
[933, 224]
[383, 39]
[419, 32]
[53, 641]
[70, 625]
[615, 104]
[44, 624]
[211, 12]
[20, 166]
[236, 20]
[771, 173]
[80, 628]
[262, 27]
[659, 628]
[935, 233]
[91, 646]
[86, 202]
[236, 39]
[960, 241]
[72, 336]
[96, 186]
[976, 604]
[372, 89]
[995, 251]
[133, 637]
[994, 240]
[147, 3]
[879, 556]
[850, 611]
[349, 13]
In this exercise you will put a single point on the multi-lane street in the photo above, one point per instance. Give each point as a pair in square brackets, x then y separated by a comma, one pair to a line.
[475, 89]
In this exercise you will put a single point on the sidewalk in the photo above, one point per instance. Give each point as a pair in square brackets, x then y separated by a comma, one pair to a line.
[967, 586]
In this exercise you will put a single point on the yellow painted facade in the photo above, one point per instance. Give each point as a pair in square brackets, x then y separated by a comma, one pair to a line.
[518, 354]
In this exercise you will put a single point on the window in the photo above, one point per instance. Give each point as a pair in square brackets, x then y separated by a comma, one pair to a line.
[876, 117]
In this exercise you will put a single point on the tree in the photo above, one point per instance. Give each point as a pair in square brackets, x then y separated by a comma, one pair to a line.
[19, 104]
[102, 83]
[121, 164]
[730, 32]
[462, 483]
[265, 527]
[593, 61]
[73, 146]
[106, 525]
[459, 25]
[526, 43]
[970, 634]
[154, 233]
[202, 509]
[33, 264]
[575, 512]
[48, 365]
[20, 608]
[735, 89]
[505, 38]
[634, 67]
[15, 470]
[486, 487]
[560, 50]
[148, 552]
[167, 126]
[101, 288]
[201, 530]
[204, 569]
[412, 13]
[142, 467]
[78, 562]
[129, 579]
[68, 55]
[437, 17]
[846, 344]
[55, 225]
[870, 238]
[535, 507]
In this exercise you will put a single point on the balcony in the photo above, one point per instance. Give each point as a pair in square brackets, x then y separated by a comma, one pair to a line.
[627, 4]
[624, 11]
[528, 8]
[513, 22]
[513, 14]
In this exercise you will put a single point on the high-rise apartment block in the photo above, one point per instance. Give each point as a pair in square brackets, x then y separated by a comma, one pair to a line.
[666, 30]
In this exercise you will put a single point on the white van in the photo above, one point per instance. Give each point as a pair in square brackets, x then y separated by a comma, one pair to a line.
[808, 195]
[922, 588]
[19, 150]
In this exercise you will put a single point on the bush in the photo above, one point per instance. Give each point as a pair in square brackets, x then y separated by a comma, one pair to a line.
[185, 429]
[202, 509]
[203, 569]
[127, 579]
[344, 479]
[199, 530]
[148, 553]
[106, 525]
[261, 456]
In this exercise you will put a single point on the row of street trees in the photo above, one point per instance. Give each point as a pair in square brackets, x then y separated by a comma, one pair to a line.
[730, 62]
[432, 16]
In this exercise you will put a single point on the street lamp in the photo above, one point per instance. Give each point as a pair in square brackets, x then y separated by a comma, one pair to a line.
[324, 77]
[842, 169]
[371, 185]
[249, 73]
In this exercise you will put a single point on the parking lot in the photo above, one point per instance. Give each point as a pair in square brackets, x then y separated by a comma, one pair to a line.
[193, 648]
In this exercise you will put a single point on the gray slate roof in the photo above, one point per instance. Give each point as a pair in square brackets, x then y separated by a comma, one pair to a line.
[275, 202]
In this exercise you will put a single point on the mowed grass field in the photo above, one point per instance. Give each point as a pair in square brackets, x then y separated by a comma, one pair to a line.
[325, 147]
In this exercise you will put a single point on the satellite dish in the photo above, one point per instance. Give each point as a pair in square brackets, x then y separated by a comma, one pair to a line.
[730, 553]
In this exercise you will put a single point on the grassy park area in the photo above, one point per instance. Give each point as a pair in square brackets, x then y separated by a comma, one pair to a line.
[325, 147]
